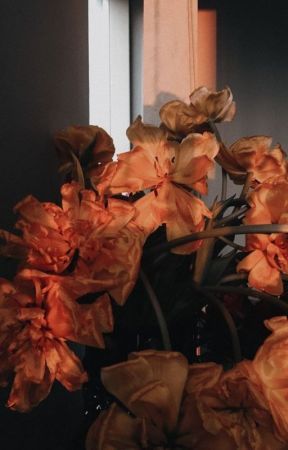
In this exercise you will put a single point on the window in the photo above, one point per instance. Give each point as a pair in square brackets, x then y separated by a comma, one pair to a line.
[109, 68]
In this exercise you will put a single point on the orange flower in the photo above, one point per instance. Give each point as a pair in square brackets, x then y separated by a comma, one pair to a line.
[235, 410]
[109, 241]
[165, 167]
[174, 406]
[271, 366]
[232, 409]
[269, 253]
[84, 237]
[205, 105]
[150, 385]
[90, 144]
[114, 260]
[253, 155]
[47, 239]
[37, 315]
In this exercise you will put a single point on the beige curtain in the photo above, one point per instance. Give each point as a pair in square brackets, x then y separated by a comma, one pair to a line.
[169, 53]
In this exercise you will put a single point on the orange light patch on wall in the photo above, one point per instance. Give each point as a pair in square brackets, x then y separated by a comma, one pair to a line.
[207, 27]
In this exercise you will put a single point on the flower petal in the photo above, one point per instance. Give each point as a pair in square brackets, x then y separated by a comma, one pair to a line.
[113, 429]
[262, 275]
[65, 365]
[147, 384]
[25, 394]
[194, 158]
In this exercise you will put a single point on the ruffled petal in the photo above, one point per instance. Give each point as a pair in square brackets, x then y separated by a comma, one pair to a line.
[79, 323]
[65, 365]
[205, 105]
[202, 376]
[178, 117]
[185, 215]
[217, 106]
[148, 386]
[253, 155]
[25, 394]
[33, 211]
[270, 365]
[182, 212]
[91, 144]
[169, 367]
[194, 158]
[114, 429]
[262, 275]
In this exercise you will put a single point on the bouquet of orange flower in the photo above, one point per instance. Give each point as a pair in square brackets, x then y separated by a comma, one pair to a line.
[133, 261]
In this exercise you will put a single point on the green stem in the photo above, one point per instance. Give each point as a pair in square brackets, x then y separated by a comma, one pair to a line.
[217, 232]
[158, 311]
[215, 131]
[204, 254]
[231, 243]
[233, 277]
[237, 212]
[224, 185]
[246, 186]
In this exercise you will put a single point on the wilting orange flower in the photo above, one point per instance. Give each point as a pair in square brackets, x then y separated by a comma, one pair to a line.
[150, 385]
[47, 238]
[232, 410]
[165, 167]
[269, 253]
[175, 406]
[253, 155]
[271, 366]
[100, 241]
[37, 315]
[90, 144]
[109, 241]
[205, 105]
[115, 260]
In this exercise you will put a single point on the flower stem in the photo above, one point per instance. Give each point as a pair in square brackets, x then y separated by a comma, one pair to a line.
[215, 131]
[224, 185]
[236, 213]
[216, 232]
[158, 311]
[231, 243]
[204, 254]
[246, 185]
[233, 277]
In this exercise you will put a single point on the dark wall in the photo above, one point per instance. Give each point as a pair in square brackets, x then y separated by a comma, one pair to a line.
[43, 87]
[253, 60]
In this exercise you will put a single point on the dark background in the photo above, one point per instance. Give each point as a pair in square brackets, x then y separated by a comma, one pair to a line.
[252, 58]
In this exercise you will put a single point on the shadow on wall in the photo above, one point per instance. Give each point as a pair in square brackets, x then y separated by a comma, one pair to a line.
[151, 112]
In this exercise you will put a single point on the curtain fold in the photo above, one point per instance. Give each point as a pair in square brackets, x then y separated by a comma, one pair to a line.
[169, 53]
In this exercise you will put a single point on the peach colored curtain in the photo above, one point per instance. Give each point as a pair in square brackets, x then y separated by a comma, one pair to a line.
[206, 53]
[169, 53]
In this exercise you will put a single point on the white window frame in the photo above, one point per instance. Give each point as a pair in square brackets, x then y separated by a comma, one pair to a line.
[109, 68]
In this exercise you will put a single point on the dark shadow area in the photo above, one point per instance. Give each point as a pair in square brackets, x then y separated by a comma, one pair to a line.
[43, 88]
